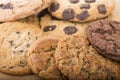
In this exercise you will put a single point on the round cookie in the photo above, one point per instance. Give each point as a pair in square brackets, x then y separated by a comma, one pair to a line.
[15, 40]
[81, 10]
[60, 28]
[104, 36]
[41, 59]
[77, 60]
[11, 10]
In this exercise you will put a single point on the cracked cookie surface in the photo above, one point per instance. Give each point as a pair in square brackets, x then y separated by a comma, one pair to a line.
[15, 40]
[15, 9]
[81, 10]
[77, 60]
[104, 36]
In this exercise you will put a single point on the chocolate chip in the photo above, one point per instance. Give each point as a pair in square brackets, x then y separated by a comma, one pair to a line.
[102, 9]
[6, 6]
[28, 45]
[74, 1]
[4, 67]
[36, 37]
[54, 6]
[68, 14]
[70, 30]
[21, 51]
[90, 1]
[83, 15]
[49, 28]
[85, 6]
[28, 33]
[11, 67]
[17, 32]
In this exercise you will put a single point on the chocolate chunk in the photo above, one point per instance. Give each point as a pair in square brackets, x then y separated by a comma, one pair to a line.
[90, 1]
[49, 28]
[21, 51]
[83, 15]
[28, 33]
[102, 9]
[74, 1]
[6, 6]
[70, 30]
[18, 32]
[54, 6]
[68, 14]
[85, 6]
[104, 36]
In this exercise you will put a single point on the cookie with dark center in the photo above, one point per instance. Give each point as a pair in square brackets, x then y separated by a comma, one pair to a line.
[104, 36]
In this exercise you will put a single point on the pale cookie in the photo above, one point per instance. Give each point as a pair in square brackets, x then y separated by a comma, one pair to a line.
[77, 60]
[81, 10]
[41, 59]
[15, 9]
[60, 29]
[15, 40]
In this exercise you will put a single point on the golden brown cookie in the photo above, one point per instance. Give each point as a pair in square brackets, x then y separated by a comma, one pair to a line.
[77, 60]
[41, 59]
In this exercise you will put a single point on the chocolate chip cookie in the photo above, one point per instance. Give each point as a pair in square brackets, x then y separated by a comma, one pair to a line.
[41, 59]
[15, 40]
[11, 10]
[60, 28]
[77, 60]
[104, 36]
[81, 10]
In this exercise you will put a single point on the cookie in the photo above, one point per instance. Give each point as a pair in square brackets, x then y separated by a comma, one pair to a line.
[60, 28]
[15, 40]
[77, 60]
[32, 20]
[41, 59]
[16, 9]
[81, 10]
[104, 36]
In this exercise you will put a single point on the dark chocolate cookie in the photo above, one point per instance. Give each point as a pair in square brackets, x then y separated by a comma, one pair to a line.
[104, 36]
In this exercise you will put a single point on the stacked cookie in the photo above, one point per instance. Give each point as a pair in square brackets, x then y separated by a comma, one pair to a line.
[60, 39]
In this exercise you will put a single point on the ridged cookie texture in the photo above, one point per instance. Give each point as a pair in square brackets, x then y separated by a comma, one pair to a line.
[16, 9]
[78, 60]
[60, 28]
[81, 10]
[15, 40]
[41, 59]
